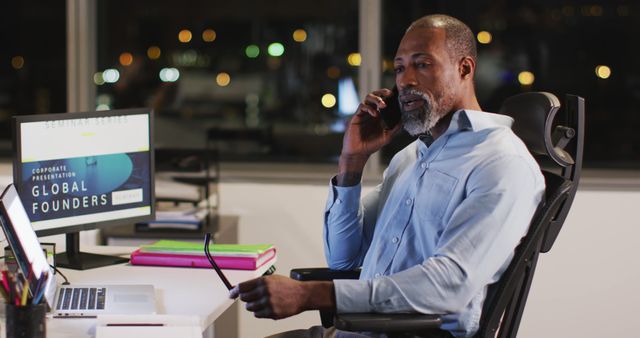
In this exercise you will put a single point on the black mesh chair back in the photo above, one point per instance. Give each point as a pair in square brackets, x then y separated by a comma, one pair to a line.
[561, 142]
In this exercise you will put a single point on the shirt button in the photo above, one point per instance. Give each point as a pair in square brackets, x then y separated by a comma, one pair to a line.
[339, 201]
[408, 201]
[377, 275]
[423, 165]
[394, 240]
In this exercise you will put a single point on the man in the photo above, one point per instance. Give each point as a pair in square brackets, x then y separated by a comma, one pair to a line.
[452, 207]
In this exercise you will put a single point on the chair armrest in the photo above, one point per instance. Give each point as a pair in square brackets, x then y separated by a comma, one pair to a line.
[322, 274]
[381, 322]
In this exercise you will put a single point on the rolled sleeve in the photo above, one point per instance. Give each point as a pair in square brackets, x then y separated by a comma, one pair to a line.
[352, 296]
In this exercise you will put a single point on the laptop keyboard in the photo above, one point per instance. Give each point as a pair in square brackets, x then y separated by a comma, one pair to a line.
[81, 299]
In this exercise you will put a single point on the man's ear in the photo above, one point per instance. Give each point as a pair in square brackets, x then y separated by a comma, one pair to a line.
[467, 67]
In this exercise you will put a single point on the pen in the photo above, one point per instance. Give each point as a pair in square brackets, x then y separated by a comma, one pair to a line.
[25, 292]
[5, 280]
[16, 286]
[41, 288]
[4, 293]
[207, 238]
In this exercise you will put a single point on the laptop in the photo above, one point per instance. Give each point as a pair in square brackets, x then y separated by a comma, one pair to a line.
[68, 301]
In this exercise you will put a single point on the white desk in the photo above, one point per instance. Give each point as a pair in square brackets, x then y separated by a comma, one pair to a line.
[183, 291]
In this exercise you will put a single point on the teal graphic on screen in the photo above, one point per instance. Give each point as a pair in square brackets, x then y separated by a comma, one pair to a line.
[85, 185]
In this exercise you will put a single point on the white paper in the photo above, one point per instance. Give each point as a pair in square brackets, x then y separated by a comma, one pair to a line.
[172, 326]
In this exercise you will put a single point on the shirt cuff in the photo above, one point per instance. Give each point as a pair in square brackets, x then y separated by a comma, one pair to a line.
[352, 295]
[343, 197]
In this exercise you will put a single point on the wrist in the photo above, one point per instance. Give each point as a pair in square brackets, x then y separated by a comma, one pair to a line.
[320, 296]
[350, 169]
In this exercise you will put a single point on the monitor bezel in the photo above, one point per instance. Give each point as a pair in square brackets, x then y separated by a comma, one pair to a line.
[17, 150]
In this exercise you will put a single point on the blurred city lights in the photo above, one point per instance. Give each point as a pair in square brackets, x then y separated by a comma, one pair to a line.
[328, 100]
[17, 62]
[484, 37]
[153, 52]
[526, 78]
[111, 75]
[333, 72]
[169, 75]
[98, 79]
[223, 79]
[252, 51]
[185, 36]
[354, 59]
[299, 35]
[603, 71]
[387, 65]
[275, 49]
[104, 99]
[596, 10]
[209, 35]
[126, 59]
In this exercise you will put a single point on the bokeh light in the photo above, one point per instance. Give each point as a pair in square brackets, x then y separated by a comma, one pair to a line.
[299, 35]
[333, 72]
[126, 59]
[111, 75]
[354, 59]
[603, 71]
[17, 62]
[526, 78]
[98, 79]
[223, 79]
[484, 37]
[275, 49]
[184, 36]
[252, 51]
[328, 100]
[169, 74]
[154, 52]
[209, 35]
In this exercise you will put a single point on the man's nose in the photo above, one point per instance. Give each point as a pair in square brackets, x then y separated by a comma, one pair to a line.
[406, 79]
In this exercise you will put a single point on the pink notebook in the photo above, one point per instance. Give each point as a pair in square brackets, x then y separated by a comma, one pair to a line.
[200, 261]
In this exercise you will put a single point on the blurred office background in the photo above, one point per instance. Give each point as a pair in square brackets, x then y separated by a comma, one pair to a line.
[289, 71]
[272, 84]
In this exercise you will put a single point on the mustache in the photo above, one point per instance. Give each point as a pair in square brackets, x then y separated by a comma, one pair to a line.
[422, 95]
[413, 91]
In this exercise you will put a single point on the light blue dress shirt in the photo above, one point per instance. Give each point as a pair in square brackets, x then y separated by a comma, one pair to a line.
[440, 228]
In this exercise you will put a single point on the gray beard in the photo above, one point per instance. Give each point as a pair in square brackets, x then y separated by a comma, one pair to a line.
[420, 121]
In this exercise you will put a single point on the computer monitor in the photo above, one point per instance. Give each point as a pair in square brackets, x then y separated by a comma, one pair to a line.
[83, 171]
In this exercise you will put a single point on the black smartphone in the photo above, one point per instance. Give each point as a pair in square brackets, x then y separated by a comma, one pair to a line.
[391, 114]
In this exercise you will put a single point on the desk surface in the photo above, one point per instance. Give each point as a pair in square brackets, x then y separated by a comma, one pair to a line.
[179, 291]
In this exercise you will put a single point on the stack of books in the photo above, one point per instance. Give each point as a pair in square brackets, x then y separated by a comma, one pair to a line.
[189, 254]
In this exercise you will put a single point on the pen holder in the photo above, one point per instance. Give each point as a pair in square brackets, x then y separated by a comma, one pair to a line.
[26, 321]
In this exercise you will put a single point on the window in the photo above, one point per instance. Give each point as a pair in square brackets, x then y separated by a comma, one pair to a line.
[221, 84]
[32, 61]
[575, 47]
[261, 79]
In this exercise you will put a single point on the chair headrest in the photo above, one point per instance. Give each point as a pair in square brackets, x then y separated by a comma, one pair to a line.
[533, 115]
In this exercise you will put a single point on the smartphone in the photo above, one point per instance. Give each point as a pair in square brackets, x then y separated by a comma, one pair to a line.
[391, 114]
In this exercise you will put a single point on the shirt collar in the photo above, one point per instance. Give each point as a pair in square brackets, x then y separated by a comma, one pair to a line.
[474, 120]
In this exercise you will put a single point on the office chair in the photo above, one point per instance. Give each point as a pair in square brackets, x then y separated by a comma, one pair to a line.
[559, 151]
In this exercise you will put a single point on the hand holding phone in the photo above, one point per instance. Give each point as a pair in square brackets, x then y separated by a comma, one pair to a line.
[391, 114]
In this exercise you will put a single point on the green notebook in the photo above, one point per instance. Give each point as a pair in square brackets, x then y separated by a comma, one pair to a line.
[190, 248]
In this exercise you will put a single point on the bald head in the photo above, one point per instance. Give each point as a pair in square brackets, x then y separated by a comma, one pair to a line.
[459, 38]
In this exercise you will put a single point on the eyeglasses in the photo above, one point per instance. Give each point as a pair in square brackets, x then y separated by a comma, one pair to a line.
[207, 239]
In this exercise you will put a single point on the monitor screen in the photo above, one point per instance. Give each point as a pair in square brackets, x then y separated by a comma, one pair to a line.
[79, 171]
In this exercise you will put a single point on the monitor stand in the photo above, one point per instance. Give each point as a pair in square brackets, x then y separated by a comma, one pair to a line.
[74, 259]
